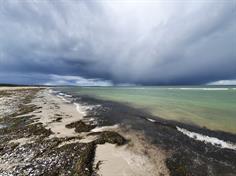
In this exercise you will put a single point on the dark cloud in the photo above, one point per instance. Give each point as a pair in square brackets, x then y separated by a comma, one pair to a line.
[153, 42]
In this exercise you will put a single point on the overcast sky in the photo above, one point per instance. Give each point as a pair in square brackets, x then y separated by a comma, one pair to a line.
[89, 42]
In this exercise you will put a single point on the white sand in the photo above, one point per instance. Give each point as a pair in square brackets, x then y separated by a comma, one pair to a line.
[118, 161]
[138, 158]
[52, 106]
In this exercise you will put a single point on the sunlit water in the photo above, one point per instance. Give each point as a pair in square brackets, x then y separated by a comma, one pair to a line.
[211, 107]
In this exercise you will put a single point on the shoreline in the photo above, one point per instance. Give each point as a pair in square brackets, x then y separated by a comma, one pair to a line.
[47, 128]
[112, 134]
[185, 154]
[130, 159]
[143, 114]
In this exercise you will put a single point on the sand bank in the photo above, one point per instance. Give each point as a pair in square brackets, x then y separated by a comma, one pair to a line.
[18, 88]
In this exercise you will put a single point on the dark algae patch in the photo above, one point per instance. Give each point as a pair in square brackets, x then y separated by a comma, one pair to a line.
[48, 158]
[84, 165]
[109, 137]
[80, 126]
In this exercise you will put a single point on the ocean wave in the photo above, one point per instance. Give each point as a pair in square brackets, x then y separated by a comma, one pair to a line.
[65, 100]
[196, 88]
[206, 139]
[151, 120]
[105, 128]
[63, 96]
[83, 109]
[80, 109]
[53, 91]
[68, 96]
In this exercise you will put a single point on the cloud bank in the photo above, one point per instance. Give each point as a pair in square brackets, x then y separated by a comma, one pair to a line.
[131, 42]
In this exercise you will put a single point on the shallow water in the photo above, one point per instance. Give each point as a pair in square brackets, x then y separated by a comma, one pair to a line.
[209, 106]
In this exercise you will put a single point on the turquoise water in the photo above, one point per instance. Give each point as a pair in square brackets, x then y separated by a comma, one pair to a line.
[211, 107]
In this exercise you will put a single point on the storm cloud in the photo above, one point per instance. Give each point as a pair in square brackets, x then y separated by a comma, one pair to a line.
[104, 42]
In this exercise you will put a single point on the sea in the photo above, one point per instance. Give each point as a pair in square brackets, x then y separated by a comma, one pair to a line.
[212, 107]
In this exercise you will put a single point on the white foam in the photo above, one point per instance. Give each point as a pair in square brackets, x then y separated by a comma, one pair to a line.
[104, 128]
[206, 139]
[80, 109]
[65, 100]
[151, 120]
[215, 88]
[198, 88]
[53, 91]
[83, 109]
[61, 95]
[185, 88]
[69, 96]
[64, 95]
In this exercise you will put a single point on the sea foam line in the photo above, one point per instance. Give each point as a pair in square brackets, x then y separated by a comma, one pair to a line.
[83, 109]
[61, 95]
[65, 100]
[104, 128]
[196, 88]
[206, 139]
[80, 109]
[151, 120]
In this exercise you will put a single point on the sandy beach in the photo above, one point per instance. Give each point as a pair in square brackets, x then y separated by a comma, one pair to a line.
[17, 88]
[52, 114]
[47, 132]
[118, 88]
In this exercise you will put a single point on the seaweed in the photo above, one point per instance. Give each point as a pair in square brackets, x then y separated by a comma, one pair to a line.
[80, 126]
[110, 137]
[5, 93]
[84, 166]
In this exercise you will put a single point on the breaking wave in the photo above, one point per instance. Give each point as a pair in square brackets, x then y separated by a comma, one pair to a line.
[206, 139]
[200, 88]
